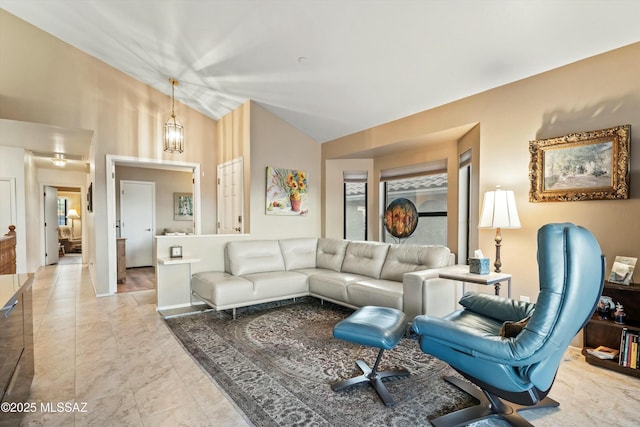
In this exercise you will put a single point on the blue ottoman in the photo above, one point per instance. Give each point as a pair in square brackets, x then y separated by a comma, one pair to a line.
[379, 327]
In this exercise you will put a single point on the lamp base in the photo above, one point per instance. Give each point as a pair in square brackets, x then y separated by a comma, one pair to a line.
[498, 264]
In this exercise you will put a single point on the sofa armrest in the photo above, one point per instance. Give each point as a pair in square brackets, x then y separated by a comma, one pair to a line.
[426, 293]
[413, 291]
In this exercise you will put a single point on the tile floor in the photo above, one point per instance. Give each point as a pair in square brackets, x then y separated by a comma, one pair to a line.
[116, 354]
[138, 279]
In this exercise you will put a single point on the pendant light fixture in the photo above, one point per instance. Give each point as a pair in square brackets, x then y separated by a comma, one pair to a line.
[173, 130]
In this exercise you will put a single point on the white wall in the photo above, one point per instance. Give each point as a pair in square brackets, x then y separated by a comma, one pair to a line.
[12, 166]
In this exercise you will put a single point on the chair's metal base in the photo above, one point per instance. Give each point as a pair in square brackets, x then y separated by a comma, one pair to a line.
[373, 377]
[490, 406]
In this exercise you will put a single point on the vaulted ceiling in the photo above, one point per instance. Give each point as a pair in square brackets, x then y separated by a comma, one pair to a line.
[334, 67]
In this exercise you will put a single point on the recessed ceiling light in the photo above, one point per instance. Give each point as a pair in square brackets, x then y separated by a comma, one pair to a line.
[59, 160]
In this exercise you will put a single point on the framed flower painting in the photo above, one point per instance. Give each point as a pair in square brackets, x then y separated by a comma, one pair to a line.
[286, 192]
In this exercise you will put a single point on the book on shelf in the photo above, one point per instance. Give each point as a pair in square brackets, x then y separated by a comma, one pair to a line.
[603, 352]
[629, 354]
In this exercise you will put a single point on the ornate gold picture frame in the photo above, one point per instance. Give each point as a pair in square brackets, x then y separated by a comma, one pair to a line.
[591, 165]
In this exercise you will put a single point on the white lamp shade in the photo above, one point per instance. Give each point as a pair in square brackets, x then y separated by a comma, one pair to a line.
[73, 214]
[499, 210]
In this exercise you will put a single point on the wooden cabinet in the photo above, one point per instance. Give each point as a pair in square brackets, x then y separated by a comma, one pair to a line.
[608, 333]
[122, 259]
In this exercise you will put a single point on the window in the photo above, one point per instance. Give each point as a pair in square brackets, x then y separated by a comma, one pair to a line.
[62, 211]
[355, 210]
[355, 205]
[464, 209]
[429, 194]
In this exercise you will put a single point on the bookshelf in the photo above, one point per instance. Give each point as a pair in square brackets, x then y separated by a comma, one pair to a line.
[607, 332]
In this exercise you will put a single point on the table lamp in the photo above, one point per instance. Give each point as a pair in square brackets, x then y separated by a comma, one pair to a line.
[499, 211]
[73, 215]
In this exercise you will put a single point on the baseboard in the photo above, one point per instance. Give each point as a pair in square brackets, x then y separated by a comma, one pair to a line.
[173, 307]
[184, 310]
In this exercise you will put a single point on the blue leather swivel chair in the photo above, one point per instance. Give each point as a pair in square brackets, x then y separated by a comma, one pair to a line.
[516, 373]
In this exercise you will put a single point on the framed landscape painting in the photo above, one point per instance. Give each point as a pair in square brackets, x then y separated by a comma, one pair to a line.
[590, 165]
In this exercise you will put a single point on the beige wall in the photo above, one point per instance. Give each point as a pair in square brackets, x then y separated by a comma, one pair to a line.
[44, 80]
[234, 136]
[166, 182]
[262, 139]
[595, 93]
[51, 82]
[276, 143]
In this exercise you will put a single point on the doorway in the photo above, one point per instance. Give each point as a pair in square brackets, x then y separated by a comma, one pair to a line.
[62, 222]
[112, 232]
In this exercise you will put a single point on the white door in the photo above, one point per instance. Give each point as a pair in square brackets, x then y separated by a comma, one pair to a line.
[51, 245]
[137, 219]
[230, 197]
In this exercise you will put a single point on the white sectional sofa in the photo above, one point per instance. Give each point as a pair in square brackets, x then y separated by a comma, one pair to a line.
[345, 272]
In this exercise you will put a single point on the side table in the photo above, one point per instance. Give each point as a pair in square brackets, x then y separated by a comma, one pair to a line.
[172, 291]
[461, 274]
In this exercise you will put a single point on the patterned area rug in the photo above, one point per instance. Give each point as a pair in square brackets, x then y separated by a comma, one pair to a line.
[276, 362]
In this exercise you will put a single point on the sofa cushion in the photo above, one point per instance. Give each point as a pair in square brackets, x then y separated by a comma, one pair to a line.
[365, 258]
[220, 288]
[407, 258]
[330, 253]
[299, 253]
[254, 256]
[312, 271]
[277, 284]
[384, 293]
[332, 285]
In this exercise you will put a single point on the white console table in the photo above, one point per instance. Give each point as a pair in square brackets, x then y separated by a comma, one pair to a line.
[461, 273]
[172, 272]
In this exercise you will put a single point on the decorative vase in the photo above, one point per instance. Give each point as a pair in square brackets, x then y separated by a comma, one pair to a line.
[295, 204]
[620, 315]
